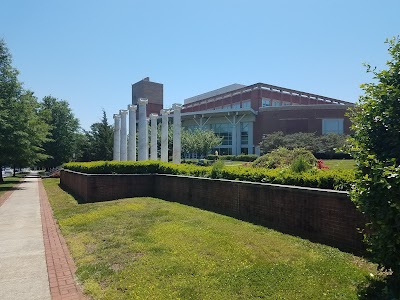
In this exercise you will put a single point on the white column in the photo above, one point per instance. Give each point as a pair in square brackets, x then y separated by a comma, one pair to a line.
[164, 135]
[143, 133]
[116, 148]
[153, 140]
[132, 133]
[176, 149]
[123, 137]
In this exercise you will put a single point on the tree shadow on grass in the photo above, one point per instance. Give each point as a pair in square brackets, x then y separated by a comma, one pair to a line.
[10, 185]
[379, 288]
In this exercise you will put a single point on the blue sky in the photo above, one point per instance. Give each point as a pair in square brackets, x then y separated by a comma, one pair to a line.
[90, 52]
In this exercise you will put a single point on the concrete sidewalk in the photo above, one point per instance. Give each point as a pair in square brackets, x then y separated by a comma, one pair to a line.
[23, 269]
[34, 259]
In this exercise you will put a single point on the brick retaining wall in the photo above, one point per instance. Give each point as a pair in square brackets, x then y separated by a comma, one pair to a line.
[324, 216]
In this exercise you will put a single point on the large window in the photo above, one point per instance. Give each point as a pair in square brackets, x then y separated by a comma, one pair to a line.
[332, 126]
[223, 130]
[244, 133]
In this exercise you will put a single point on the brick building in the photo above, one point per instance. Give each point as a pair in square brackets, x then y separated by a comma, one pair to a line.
[243, 114]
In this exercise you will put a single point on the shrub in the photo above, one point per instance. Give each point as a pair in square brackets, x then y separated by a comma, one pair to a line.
[217, 168]
[326, 179]
[300, 164]
[283, 157]
[376, 148]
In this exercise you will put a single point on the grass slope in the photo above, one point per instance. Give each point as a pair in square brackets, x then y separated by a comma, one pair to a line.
[146, 248]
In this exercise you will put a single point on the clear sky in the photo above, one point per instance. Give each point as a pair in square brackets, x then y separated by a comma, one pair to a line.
[89, 52]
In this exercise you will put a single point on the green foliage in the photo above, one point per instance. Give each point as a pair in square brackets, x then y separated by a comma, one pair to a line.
[324, 146]
[326, 179]
[146, 248]
[97, 143]
[300, 164]
[376, 148]
[63, 129]
[22, 127]
[217, 168]
[282, 157]
[199, 141]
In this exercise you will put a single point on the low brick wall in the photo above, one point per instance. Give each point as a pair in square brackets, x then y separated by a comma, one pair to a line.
[324, 216]
[104, 187]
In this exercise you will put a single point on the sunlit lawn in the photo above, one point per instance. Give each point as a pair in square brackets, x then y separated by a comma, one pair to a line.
[347, 164]
[146, 248]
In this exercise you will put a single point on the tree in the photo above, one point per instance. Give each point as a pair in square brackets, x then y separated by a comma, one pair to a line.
[63, 129]
[376, 148]
[22, 128]
[10, 89]
[96, 144]
[30, 132]
[199, 141]
[324, 145]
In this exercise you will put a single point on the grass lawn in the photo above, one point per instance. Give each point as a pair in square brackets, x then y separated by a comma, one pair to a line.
[347, 164]
[146, 248]
[10, 182]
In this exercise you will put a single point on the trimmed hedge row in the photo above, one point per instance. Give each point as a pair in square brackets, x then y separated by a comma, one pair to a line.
[326, 179]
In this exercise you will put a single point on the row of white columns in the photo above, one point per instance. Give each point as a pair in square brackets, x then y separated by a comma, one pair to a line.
[125, 147]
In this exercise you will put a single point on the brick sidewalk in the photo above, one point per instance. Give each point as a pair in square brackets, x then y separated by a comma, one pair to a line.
[60, 266]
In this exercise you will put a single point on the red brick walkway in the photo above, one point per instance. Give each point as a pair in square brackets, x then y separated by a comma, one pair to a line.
[60, 266]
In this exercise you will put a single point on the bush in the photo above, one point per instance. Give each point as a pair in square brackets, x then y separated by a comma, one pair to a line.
[376, 148]
[282, 158]
[217, 168]
[300, 164]
[326, 179]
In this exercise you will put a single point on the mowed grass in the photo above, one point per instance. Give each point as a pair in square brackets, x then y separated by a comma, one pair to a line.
[336, 164]
[146, 248]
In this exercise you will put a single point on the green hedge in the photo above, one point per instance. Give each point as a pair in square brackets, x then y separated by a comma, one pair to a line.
[326, 179]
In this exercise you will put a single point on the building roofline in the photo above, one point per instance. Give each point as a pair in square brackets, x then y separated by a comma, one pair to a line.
[270, 87]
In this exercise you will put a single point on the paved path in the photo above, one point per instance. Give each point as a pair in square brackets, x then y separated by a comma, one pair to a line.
[34, 260]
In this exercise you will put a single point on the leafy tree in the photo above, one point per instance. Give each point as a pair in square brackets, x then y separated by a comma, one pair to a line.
[199, 141]
[376, 148]
[30, 132]
[324, 144]
[22, 128]
[331, 143]
[63, 129]
[96, 144]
